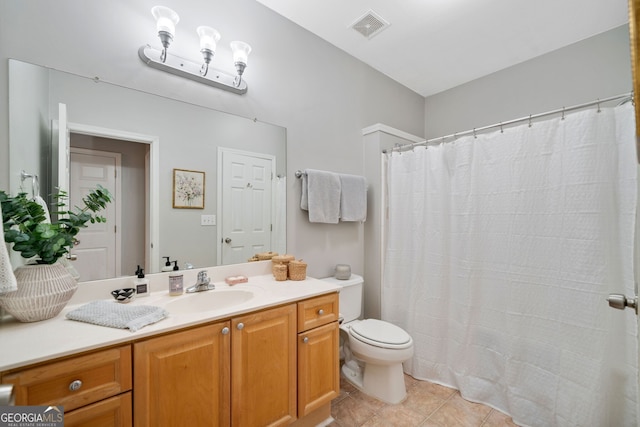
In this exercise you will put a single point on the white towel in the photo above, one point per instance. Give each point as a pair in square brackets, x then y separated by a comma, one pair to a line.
[321, 196]
[117, 315]
[39, 200]
[7, 278]
[353, 198]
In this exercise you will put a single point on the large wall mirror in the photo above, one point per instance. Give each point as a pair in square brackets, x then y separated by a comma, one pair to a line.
[154, 145]
[634, 24]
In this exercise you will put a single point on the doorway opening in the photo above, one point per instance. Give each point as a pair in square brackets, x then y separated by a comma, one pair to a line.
[114, 248]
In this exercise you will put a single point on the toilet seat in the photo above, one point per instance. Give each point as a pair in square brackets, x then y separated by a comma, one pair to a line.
[380, 334]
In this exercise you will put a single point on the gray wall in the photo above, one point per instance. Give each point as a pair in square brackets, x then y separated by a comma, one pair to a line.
[597, 67]
[320, 94]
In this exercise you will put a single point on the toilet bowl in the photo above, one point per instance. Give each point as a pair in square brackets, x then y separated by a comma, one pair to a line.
[373, 350]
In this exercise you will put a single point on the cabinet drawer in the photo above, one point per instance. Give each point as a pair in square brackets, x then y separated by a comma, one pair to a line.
[74, 382]
[317, 311]
[113, 412]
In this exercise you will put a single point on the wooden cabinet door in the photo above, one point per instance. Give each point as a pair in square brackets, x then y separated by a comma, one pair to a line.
[183, 379]
[318, 367]
[263, 372]
[112, 412]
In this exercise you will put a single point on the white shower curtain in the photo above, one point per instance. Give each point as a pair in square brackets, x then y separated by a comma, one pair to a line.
[501, 251]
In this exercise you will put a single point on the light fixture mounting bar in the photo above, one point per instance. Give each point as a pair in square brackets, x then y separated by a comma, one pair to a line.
[190, 70]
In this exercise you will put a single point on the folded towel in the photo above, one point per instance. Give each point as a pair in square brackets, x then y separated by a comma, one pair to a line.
[322, 196]
[117, 315]
[353, 198]
[7, 279]
[304, 198]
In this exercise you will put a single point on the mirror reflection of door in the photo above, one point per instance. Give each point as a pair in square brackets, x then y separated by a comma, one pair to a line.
[132, 201]
[98, 248]
[245, 182]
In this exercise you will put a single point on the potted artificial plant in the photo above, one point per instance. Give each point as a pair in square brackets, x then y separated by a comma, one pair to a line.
[44, 284]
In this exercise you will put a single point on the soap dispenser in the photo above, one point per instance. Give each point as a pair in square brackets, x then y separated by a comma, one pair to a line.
[167, 265]
[176, 286]
[141, 283]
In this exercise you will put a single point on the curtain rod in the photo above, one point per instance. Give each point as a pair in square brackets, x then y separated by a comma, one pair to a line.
[528, 118]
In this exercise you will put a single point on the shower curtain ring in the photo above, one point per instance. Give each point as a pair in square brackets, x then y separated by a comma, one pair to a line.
[599, 110]
[562, 114]
[475, 136]
[501, 129]
[530, 124]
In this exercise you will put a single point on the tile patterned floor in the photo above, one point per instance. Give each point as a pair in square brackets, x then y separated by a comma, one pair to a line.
[426, 405]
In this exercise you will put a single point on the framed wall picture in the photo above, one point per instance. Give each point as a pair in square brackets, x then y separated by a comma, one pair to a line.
[188, 189]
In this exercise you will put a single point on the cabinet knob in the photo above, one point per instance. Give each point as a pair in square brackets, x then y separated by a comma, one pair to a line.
[75, 385]
[225, 330]
[320, 312]
[240, 326]
[305, 340]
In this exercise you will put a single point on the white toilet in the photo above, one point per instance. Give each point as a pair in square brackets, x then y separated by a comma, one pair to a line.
[373, 350]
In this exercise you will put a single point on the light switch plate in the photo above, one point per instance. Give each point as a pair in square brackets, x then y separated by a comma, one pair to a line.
[207, 220]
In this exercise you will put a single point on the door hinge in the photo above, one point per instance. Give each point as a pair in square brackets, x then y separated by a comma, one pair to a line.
[115, 229]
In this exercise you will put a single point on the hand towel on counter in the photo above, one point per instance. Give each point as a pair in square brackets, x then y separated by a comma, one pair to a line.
[117, 315]
[321, 196]
[353, 198]
[7, 278]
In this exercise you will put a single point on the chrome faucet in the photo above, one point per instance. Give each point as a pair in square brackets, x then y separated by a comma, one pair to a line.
[203, 283]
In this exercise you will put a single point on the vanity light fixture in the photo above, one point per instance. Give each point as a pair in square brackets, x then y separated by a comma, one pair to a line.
[166, 20]
[208, 41]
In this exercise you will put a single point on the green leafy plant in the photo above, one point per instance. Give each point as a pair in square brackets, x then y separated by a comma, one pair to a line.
[25, 223]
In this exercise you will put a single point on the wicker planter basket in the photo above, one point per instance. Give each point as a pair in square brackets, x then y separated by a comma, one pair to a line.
[297, 270]
[43, 291]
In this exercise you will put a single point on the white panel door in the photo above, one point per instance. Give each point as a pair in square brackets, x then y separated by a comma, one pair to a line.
[97, 253]
[246, 187]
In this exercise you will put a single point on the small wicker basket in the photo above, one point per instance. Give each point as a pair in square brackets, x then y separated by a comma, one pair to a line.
[297, 270]
[281, 260]
[263, 256]
[280, 272]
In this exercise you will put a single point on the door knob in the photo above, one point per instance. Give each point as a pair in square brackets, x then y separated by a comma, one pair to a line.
[227, 240]
[621, 302]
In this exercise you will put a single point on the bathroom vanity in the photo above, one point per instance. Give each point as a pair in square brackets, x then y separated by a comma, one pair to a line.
[269, 360]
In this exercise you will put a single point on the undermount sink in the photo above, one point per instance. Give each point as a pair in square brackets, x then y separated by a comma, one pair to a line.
[208, 301]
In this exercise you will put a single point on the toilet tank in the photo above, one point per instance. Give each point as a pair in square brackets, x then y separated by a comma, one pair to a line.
[350, 296]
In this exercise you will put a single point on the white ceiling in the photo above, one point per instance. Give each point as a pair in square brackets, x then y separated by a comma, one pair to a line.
[434, 45]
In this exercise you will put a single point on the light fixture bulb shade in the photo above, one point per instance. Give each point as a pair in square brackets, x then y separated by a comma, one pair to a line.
[166, 19]
[241, 51]
[208, 37]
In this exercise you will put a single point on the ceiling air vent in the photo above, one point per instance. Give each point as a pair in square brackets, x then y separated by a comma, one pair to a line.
[370, 24]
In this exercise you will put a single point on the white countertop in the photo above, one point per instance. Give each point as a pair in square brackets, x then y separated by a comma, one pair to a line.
[22, 344]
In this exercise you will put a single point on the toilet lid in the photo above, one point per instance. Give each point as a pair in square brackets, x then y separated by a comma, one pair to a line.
[381, 334]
